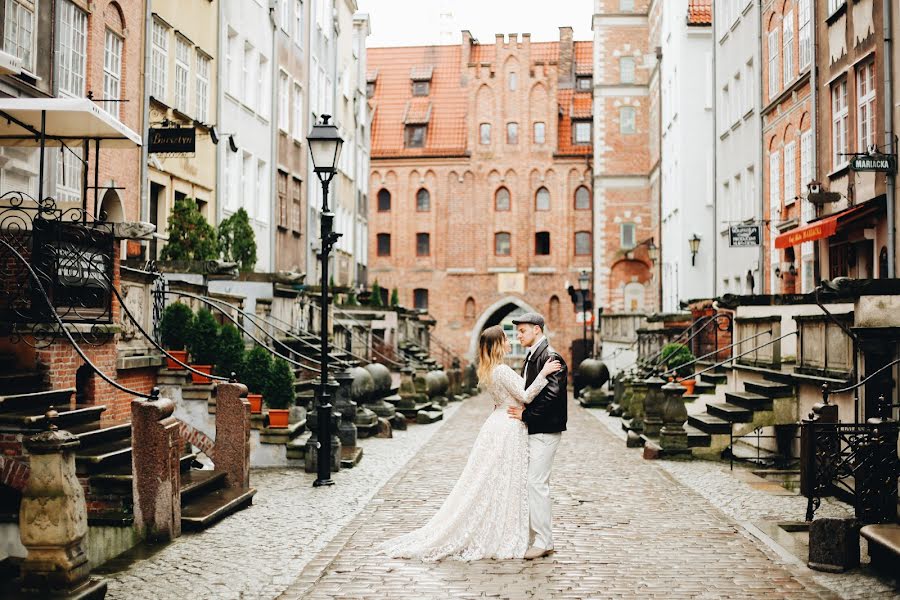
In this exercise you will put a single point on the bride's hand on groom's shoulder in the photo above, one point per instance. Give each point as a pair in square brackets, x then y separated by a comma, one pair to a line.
[551, 367]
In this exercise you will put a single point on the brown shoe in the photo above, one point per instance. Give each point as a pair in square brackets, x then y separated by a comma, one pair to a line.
[535, 552]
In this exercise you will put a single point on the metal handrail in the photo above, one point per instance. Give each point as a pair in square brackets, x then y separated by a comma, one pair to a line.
[708, 354]
[733, 358]
[336, 310]
[153, 395]
[708, 319]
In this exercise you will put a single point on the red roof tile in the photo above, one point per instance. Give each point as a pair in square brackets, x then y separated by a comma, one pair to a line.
[584, 58]
[569, 100]
[418, 111]
[700, 12]
[582, 105]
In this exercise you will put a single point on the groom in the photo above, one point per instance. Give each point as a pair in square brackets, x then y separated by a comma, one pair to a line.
[546, 420]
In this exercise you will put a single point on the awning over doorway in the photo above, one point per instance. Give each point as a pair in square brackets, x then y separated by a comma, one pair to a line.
[825, 227]
[67, 120]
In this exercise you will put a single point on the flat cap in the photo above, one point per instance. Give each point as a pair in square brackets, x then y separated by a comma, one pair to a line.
[530, 318]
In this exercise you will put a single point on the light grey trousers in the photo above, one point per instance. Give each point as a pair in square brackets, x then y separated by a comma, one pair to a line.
[541, 450]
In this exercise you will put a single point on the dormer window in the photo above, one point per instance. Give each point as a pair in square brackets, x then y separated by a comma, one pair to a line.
[415, 136]
[583, 83]
[421, 80]
[581, 132]
[421, 88]
[371, 79]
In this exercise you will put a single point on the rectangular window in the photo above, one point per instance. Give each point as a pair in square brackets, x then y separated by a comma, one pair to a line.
[627, 236]
[202, 91]
[790, 173]
[262, 81]
[512, 133]
[415, 136]
[285, 15]
[542, 243]
[248, 80]
[112, 73]
[421, 88]
[484, 133]
[539, 132]
[583, 83]
[626, 69]
[502, 246]
[72, 50]
[384, 244]
[298, 112]
[805, 31]
[806, 166]
[725, 107]
[18, 34]
[834, 5]
[282, 200]
[865, 104]
[773, 64]
[296, 203]
[512, 81]
[626, 5]
[787, 43]
[840, 116]
[298, 22]
[284, 84]
[230, 52]
[68, 175]
[749, 86]
[582, 243]
[423, 244]
[626, 121]
[182, 73]
[262, 192]
[775, 182]
[420, 299]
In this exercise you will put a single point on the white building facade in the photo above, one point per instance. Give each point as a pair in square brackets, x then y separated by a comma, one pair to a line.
[687, 199]
[738, 138]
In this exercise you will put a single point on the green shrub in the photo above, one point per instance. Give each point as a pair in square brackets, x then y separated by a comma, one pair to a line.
[676, 355]
[256, 369]
[175, 325]
[279, 392]
[376, 295]
[231, 351]
[395, 298]
[203, 340]
[191, 237]
[238, 241]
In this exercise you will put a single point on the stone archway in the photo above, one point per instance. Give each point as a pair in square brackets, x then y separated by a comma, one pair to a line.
[111, 209]
[495, 314]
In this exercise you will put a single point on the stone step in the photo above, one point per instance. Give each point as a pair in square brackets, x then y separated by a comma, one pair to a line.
[714, 378]
[709, 424]
[424, 417]
[103, 457]
[770, 389]
[20, 382]
[186, 462]
[32, 419]
[703, 387]
[729, 412]
[117, 479]
[749, 400]
[40, 401]
[197, 482]
[269, 435]
[350, 457]
[205, 510]
[706, 363]
[697, 438]
[296, 448]
[94, 436]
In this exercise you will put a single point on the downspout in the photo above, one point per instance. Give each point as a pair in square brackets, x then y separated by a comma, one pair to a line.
[273, 146]
[887, 19]
[715, 171]
[221, 156]
[145, 146]
[763, 225]
[814, 102]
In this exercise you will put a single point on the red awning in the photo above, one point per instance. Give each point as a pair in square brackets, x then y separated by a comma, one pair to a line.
[825, 227]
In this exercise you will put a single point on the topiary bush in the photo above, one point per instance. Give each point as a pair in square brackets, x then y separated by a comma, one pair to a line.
[238, 241]
[174, 327]
[376, 299]
[191, 237]
[231, 351]
[256, 370]
[395, 298]
[203, 340]
[676, 355]
[279, 392]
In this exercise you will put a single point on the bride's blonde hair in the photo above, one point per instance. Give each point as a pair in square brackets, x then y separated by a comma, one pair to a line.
[490, 352]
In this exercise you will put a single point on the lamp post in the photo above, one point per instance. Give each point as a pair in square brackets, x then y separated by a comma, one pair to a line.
[584, 283]
[325, 148]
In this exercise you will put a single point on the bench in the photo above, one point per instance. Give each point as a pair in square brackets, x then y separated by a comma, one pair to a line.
[884, 546]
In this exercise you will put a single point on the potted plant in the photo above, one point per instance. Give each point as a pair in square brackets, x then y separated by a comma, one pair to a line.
[255, 373]
[203, 344]
[279, 394]
[174, 328]
[191, 237]
[676, 358]
[237, 240]
[231, 351]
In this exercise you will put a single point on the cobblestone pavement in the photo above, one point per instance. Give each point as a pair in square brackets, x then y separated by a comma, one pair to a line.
[623, 528]
[257, 552]
[735, 494]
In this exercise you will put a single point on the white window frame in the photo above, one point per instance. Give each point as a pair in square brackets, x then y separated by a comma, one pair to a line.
[774, 50]
[69, 176]
[790, 173]
[805, 33]
[298, 22]
[866, 95]
[284, 88]
[21, 24]
[806, 166]
[482, 129]
[627, 122]
[787, 45]
[112, 72]
[840, 117]
[298, 112]
[626, 69]
[72, 50]
[834, 5]
[201, 91]
[159, 60]
[183, 52]
[542, 138]
[749, 86]
[627, 236]
[775, 182]
[285, 16]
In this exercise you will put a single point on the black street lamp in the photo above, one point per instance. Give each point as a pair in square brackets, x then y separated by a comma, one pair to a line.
[325, 148]
[584, 283]
[694, 243]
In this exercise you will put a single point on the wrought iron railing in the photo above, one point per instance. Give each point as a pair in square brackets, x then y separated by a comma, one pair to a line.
[687, 336]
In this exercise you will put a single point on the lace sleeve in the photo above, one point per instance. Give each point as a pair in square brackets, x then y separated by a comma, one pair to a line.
[513, 383]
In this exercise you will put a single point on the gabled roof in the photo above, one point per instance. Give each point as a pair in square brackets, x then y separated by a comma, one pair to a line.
[421, 73]
[699, 12]
[417, 112]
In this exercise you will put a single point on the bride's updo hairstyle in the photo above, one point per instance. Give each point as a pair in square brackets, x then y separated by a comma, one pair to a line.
[490, 352]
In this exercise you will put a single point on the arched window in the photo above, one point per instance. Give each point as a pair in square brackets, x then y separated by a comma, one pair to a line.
[582, 198]
[554, 309]
[423, 200]
[501, 199]
[502, 246]
[384, 200]
[582, 243]
[470, 309]
[542, 199]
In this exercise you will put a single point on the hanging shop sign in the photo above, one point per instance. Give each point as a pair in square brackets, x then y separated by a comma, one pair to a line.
[880, 163]
[173, 140]
[744, 236]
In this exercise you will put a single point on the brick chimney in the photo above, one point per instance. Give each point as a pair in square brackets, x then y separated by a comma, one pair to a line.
[466, 49]
[566, 58]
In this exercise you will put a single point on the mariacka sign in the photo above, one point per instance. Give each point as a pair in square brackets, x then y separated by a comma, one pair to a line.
[744, 236]
[176, 140]
[882, 163]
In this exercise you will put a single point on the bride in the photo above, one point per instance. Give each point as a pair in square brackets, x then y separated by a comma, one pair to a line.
[486, 513]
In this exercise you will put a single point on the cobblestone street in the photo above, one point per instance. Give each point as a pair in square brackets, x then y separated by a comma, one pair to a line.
[623, 528]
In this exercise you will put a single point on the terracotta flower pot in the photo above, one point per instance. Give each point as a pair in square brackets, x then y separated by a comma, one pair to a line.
[255, 403]
[688, 385]
[180, 355]
[278, 418]
[200, 379]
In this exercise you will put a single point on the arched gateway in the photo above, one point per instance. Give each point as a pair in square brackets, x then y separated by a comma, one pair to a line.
[502, 313]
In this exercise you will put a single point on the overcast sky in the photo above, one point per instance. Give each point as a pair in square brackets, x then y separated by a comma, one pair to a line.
[426, 22]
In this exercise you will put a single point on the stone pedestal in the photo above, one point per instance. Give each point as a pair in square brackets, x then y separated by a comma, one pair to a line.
[381, 389]
[361, 392]
[411, 401]
[454, 376]
[155, 465]
[311, 457]
[233, 435]
[346, 408]
[470, 379]
[673, 438]
[437, 384]
[53, 521]
[833, 545]
[636, 402]
[652, 408]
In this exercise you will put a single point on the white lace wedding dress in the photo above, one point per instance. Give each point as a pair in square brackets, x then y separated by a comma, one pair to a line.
[486, 513]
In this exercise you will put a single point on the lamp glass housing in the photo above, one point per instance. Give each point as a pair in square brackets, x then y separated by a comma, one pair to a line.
[325, 145]
[584, 281]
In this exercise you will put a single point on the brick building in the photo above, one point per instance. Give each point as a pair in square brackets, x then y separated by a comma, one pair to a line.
[481, 181]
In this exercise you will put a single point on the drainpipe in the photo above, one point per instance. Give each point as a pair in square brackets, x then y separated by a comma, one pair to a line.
[221, 151]
[273, 146]
[145, 146]
[715, 171]
[763, 225]
[889, 129]
[814, 102]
